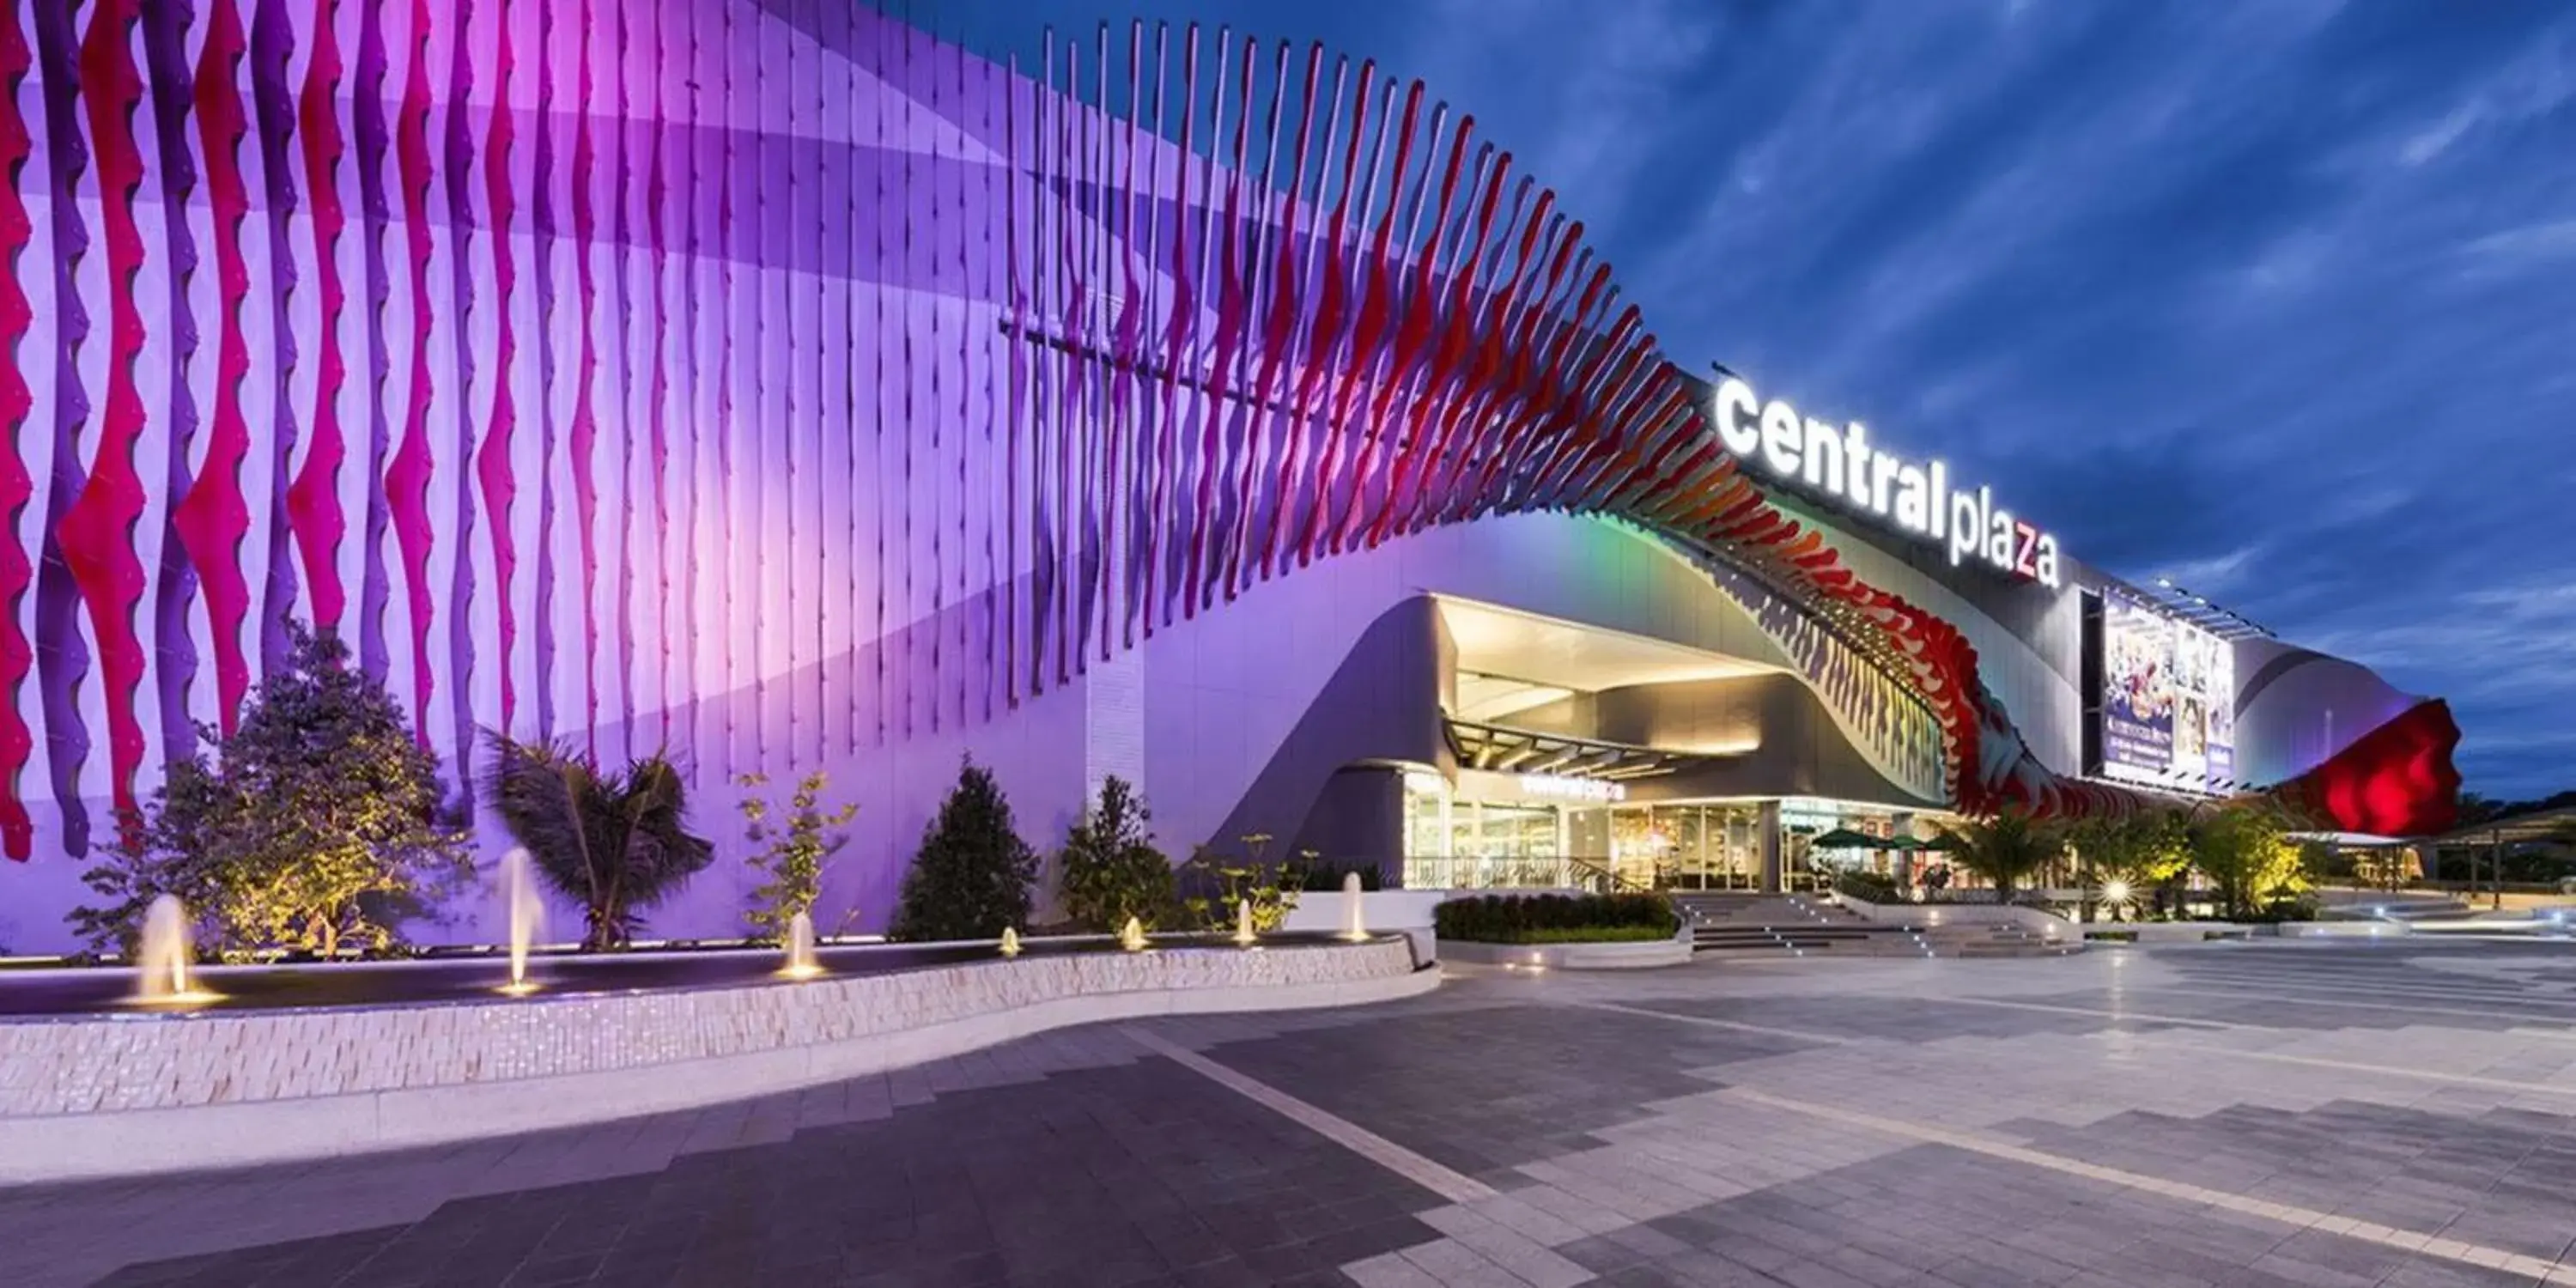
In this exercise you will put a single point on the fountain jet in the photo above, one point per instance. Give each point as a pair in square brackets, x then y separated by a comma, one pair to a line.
[1010, 942]
[1243, 922]
[519, 887]
[1354, 923]
[162, 960]
[1132, 938]
[800, 949]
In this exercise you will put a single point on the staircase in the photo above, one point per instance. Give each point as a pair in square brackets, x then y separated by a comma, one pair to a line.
[1795, 925]
[1766, 925]
[1999, 941]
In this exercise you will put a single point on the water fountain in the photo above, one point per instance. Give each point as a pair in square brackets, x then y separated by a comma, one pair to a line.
[162, 961]
[1354, 923]
[800, 949]
[527, 912]
[1132, 937]
[1243, 923]
[1010, 942]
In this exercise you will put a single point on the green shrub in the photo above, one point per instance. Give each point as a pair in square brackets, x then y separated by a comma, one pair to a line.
[1110, 870]
[972, 877]
[1868, 887]
[1510, 919]
[2299, 907]
[1596, 935]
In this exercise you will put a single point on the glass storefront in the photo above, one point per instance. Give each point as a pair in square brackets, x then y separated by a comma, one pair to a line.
[1471, 843]
[1803, 819]
[1490, 831]
[1683, 846]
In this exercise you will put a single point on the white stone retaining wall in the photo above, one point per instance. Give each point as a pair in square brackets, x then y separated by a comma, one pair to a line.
[113, 1064]
[1380, 911]
[1634, 954]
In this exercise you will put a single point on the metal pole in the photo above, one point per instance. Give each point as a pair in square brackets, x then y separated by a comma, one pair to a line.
[2495, 867]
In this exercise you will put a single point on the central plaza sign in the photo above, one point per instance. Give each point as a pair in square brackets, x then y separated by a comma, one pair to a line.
[1913, 498]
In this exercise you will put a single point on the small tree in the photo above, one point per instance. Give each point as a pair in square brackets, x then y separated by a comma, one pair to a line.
[2142, 851]
[792, 857]
[315, 825]
[2241, 848]
[2005, 849]
[618, 843]
[1217, 886]
[1110, 869]
[972, 877]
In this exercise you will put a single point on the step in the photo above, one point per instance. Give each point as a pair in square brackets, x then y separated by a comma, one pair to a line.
[1836, 939]
[1873, 949]
[2036, 948]
[1819, 934]
[1775, 914]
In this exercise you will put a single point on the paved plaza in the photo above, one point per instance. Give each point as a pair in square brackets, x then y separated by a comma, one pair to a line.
[2398, 1114]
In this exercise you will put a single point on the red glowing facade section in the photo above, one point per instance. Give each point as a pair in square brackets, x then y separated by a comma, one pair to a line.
[2396, 780]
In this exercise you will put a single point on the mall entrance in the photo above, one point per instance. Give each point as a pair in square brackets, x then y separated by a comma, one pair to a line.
[1492, 830]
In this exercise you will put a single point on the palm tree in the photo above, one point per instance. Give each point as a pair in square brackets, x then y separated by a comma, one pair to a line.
[2005, 848]
[618, 843]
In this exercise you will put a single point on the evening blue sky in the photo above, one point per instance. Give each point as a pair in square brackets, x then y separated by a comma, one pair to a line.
[2277, 299]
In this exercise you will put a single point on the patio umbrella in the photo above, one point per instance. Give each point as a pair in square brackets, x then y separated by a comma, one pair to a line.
[1843, 838]
[1943, 841]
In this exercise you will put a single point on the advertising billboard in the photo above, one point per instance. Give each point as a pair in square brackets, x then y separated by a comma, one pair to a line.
[2168, 697]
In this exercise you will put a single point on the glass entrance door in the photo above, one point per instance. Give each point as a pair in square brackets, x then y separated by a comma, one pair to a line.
[1679, 847]
[1508, 845]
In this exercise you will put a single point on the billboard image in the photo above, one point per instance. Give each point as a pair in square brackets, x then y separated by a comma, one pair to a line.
[2212, 685]
[2169, 696]
[2138, 687]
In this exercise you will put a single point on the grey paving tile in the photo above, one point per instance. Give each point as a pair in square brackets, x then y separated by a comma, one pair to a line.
[1074, 1158]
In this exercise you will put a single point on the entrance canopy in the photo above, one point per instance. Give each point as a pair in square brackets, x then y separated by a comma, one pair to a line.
[1519, 751]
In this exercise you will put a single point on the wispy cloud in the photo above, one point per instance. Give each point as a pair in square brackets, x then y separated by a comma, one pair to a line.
[2548, 239]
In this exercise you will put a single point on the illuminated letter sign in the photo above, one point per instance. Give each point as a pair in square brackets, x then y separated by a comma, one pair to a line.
[1572, 789]
[1844, 465]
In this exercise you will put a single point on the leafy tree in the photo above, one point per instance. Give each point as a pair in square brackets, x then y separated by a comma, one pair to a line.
[2241, 848]
[618, 843]
[2006, 849]
[972, 877]
[1110, 869]
[792, 857]
[2145, 850]
[316, 825]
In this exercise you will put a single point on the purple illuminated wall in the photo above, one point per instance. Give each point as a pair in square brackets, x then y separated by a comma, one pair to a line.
[523, 344]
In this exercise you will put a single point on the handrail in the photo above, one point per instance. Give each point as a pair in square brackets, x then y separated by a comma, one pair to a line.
[1466, 872]
[1611, 878]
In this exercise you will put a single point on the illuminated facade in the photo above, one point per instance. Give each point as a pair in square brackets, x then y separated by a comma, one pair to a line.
[780, 385]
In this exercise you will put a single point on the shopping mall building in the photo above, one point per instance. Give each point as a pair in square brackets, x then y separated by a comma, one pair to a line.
[785, 386]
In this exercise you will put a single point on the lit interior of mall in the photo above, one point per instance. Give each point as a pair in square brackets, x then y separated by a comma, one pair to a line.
[1551, 790]
[1538, 830]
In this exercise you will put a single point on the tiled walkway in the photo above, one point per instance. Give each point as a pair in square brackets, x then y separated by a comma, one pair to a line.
[2395, 1114]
